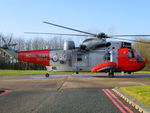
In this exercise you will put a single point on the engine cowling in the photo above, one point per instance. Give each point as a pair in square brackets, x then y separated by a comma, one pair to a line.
[68, 45]
[93, 43]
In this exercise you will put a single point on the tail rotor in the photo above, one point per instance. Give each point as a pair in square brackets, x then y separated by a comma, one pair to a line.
[3, 54]
[6, 46]
[7, 43]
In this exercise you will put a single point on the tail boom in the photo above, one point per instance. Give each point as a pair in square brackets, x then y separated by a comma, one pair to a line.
[41, 57]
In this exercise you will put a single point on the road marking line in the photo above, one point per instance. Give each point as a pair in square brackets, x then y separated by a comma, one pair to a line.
[116, 104]
[119, 101]
[5, 92]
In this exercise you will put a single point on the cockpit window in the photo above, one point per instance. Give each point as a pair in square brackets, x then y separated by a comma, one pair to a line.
[131, 54]
[137, 54]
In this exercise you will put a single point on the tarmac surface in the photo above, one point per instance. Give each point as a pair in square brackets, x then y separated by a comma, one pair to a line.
[65, 93]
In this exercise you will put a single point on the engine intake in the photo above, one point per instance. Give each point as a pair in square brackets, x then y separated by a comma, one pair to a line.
[68, 45]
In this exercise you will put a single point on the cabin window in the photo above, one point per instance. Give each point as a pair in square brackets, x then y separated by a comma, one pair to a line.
[131, 54]
[79, 57]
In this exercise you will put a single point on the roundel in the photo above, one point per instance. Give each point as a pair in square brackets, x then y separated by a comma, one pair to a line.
[55, 58]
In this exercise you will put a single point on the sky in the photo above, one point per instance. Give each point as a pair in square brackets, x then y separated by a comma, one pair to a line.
[109, 16]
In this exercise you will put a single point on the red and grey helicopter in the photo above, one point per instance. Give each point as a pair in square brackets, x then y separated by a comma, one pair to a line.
[93, 55]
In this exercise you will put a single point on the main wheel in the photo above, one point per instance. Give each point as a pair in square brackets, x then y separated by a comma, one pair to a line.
[111, 73]
[47, 75]
[77, 72]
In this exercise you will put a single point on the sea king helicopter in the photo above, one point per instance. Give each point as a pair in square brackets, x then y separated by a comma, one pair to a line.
[95, 54]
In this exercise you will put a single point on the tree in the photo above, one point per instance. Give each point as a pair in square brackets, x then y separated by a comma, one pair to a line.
[144, 50]
[37, 43]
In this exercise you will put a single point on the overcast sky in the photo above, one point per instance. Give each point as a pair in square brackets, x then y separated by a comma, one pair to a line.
[119, 16]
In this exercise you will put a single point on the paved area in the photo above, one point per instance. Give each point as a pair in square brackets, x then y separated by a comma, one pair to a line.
[64, 93]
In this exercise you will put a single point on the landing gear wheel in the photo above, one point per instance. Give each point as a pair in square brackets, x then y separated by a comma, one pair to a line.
[129, 72]
[111, 73]
[77, 72]
[47, 75]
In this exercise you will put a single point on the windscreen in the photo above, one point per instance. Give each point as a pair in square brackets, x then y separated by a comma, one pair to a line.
[138, 56]
[131, 54]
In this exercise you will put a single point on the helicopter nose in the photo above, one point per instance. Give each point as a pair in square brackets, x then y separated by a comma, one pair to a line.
[145, 61]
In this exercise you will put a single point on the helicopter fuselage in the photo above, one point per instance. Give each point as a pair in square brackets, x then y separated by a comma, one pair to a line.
[76, 60]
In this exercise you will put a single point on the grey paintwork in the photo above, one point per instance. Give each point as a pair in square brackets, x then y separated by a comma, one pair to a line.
[80, 61]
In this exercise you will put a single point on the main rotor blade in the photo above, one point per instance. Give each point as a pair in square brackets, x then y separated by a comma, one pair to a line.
[129, 35]
[132, 40]
[95, 35]
[55, 34]
[3, 40]
[9, 40]
[13, 44]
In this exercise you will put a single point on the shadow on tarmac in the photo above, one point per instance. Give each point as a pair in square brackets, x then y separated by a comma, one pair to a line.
[102, 76]
[133, 76]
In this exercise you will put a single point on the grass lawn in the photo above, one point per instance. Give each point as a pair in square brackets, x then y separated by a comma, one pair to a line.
[142, 72]
[21, 72]
[141, 93]
[35, 72]
[30, 72]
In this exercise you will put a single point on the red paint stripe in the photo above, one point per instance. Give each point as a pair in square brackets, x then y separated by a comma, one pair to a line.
[102, 65]
[7, 91]
[117, 105]
[119, 101]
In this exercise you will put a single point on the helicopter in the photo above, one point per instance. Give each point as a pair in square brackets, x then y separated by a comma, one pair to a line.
[95, 54]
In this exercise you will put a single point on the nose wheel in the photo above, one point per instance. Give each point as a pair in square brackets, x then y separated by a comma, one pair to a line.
[46, 75]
